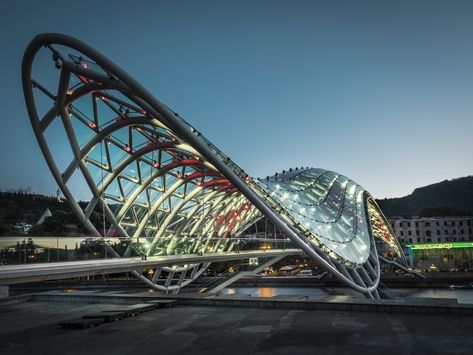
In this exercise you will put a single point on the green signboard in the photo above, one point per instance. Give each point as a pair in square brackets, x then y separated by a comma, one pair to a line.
[440, 246]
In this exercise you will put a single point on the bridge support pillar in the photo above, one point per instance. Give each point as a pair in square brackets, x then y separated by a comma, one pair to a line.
[238, 275]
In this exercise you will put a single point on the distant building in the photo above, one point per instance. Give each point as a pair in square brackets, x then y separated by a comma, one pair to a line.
[432, 229]
[23, 227]
[47, 213]
[436, 243]
[449, 256]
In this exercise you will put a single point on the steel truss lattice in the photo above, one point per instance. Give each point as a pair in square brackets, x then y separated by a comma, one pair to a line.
[156, 178]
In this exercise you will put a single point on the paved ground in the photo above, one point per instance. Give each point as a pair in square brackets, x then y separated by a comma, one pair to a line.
[31, 328]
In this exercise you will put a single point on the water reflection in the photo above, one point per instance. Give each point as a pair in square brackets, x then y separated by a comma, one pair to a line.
[267, 292]
[311, 293]
[319, 293]
[462, 296]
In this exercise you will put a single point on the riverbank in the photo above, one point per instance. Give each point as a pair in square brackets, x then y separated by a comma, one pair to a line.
[327, 301]
[432, 280]
[439, 281]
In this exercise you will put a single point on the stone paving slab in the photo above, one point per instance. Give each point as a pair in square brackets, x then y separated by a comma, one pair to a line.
[81, 323]
[107, 316]
[163, 303]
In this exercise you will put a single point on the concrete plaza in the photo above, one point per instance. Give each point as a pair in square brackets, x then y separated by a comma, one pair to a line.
[31, 328]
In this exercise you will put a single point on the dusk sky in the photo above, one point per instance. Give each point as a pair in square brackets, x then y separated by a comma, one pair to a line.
[380, 91]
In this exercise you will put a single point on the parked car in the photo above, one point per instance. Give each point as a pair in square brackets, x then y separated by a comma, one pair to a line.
[305, 273]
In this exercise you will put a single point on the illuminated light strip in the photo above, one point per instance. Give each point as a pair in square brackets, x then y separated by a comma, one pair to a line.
[456, 245]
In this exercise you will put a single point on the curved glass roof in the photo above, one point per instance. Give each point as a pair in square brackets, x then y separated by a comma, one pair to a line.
[328, 205]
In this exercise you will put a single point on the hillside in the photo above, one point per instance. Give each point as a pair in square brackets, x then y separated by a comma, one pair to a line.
[24, 207]
[447, 198]
[20, 206]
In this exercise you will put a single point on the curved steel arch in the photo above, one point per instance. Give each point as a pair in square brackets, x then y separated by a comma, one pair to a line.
[335, 224]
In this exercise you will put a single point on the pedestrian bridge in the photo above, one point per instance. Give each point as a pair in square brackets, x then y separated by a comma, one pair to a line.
[151, 175]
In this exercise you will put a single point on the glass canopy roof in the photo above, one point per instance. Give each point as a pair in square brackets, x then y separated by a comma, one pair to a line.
[329, 205]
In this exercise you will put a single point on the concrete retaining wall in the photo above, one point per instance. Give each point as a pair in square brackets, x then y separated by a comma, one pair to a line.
[417, 306]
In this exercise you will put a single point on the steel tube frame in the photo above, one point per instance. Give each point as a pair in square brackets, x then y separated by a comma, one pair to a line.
[159, 115]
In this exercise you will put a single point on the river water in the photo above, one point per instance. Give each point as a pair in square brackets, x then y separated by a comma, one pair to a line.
[319, 293]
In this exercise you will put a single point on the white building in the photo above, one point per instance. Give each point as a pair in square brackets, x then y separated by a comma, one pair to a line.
[47, 213]
[432, 229]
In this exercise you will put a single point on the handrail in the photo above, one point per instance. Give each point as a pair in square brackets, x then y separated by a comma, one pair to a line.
[13, 274]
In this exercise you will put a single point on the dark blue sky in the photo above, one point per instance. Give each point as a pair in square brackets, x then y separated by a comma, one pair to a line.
[380, 91]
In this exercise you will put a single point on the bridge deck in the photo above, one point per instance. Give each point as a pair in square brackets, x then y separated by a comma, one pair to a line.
[13, 274]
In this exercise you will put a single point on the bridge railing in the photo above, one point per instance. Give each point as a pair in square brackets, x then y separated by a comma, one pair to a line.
[30, 250]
